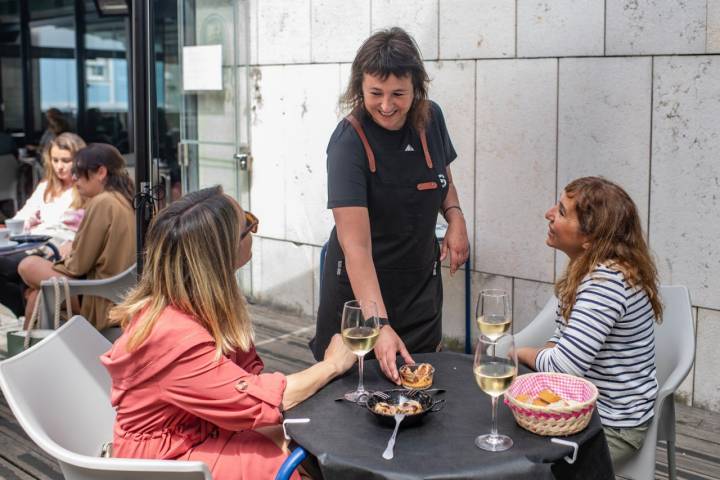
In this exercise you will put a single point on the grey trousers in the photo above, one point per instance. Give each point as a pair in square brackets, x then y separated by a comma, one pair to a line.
[624, 442]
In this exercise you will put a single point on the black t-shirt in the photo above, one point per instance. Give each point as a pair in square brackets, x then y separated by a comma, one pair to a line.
[347, 164]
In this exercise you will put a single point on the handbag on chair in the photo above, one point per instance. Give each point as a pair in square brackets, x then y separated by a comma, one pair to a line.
[20, 340]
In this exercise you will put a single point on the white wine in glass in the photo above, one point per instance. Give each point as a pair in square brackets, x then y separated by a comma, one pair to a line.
[495, 368]
[360, 329]
[492, 313]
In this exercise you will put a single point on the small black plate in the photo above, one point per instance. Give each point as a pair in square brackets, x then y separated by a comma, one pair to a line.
[397, 396]
[30, 238]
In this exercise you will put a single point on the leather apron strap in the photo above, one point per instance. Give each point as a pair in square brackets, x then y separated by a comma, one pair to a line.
[368, 150]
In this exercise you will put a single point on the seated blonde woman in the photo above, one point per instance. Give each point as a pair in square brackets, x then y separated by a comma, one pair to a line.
[53, 209]
[187, 383]
[105, 242]
[608, 305]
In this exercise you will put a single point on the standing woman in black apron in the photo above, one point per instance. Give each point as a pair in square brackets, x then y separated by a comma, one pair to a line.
[388, 177]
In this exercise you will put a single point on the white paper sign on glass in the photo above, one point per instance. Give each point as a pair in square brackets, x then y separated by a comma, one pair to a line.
[202, 68]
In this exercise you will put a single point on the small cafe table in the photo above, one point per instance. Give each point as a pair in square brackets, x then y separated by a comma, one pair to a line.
[348, 441]
[38, 241]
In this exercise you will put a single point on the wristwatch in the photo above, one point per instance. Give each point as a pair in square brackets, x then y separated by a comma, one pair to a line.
[382, 321]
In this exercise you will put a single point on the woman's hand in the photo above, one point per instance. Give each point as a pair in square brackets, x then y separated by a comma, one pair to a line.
[32, 221]
[455, 241]
[387, 347]
[339, 355]
[338, 359]
[65, 249]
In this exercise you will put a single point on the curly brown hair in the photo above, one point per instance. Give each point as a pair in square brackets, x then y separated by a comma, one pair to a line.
[390, 52]
[608, 218]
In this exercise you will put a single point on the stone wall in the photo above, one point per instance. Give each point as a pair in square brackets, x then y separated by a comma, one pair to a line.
[535, 93]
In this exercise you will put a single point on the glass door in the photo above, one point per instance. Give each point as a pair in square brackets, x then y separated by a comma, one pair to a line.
[214, 145]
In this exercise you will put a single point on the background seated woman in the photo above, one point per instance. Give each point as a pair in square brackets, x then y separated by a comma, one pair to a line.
[105, 242]
[608, 303]
[187, 381]
[53, 209]
[48, 210]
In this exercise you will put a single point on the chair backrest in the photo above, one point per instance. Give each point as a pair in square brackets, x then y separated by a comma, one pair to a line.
[674, 337]
[537, 332]
[674, 355]
[113, 288]
[60, 394]
[61, 389]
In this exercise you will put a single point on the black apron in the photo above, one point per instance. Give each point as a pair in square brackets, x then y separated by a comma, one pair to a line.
[404, 197]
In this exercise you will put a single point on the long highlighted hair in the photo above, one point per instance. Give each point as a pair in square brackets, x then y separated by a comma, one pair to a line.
[608, 218]
[192, 250]
[71, 143]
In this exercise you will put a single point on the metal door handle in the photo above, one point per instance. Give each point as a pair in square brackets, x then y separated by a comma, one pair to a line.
[243, 161]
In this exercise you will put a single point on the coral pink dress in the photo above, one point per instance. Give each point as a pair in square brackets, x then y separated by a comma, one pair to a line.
[175, 401]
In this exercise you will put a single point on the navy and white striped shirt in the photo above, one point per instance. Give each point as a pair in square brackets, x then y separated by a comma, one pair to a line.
[609, 340]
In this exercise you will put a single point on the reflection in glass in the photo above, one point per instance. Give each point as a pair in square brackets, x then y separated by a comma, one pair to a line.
[106, 81]
[55, 72]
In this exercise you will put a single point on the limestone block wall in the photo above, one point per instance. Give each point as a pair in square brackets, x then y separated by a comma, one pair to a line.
[535, 93]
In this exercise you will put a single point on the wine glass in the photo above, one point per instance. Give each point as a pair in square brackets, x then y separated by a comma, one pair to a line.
[360, 329]
[495, 368]
[493, 314]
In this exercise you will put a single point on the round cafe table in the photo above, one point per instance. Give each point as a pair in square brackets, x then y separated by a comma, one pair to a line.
[348, 441]
[36, 242]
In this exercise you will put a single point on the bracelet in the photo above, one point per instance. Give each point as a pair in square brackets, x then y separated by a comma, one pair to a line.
[444, 212]
[382, 321]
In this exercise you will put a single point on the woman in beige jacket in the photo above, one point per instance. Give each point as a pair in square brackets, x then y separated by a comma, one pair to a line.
[105, 242]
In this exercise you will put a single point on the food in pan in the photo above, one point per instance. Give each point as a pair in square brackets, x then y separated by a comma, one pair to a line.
[545, 398]
[408, 407]
[417, 377]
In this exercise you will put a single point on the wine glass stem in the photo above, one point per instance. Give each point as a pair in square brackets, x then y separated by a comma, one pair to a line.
[361, 367]
[493, 430]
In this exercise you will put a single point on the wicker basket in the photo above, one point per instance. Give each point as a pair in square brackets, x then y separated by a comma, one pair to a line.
[552, 421]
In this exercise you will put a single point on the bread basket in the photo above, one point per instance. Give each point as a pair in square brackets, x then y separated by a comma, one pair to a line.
[552, 420]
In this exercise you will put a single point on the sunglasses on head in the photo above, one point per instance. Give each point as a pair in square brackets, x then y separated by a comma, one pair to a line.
[251, 224]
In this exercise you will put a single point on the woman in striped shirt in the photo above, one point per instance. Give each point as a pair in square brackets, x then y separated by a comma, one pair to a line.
[608, 301]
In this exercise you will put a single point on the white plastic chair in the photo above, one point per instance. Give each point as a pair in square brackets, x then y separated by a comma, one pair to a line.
[113, 288]
[674, 356]
[539, 331]
[60, 394]
[9, 167]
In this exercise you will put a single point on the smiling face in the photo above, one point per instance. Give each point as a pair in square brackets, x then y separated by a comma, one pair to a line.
[61, 161]
[564, 228]
[388, 101]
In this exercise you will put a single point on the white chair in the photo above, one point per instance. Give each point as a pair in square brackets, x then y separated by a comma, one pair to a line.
[9, 167]
[674, 356]
[537, 332]
[113, 288]
[60, 394]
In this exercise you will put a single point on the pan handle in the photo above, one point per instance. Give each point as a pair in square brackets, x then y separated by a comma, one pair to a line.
[437, 406]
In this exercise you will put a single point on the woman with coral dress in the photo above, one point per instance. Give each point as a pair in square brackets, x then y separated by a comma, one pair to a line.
[187, 383]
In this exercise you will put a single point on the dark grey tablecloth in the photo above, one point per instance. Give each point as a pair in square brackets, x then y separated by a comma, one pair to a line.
[349, 442]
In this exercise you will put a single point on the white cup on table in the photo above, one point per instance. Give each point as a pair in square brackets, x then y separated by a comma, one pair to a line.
[15, 225]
